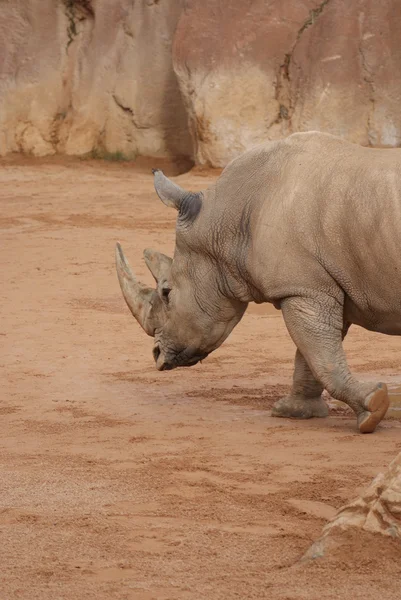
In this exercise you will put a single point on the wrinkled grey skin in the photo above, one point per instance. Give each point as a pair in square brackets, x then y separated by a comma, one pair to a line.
[311, 224]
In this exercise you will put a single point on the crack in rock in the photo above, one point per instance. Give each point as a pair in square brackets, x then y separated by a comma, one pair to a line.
[126, 109]
[76, 10]
[129, 112]
[283, 94]
[368, 79]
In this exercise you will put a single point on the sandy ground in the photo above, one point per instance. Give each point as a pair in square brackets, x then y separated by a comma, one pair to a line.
[120, 482]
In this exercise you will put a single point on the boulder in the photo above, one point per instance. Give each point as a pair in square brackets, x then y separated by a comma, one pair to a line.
[33, 40]
[78, 76]
[377, 510]
[124, 94]
[260, 70]
[228, 59]
[345, 72]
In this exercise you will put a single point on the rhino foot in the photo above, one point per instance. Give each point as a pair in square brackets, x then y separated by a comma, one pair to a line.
[299, 407]
[376, 405]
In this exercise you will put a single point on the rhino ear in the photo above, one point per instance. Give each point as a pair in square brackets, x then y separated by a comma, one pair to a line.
[158, 264]
[188, 204]
[169, 193]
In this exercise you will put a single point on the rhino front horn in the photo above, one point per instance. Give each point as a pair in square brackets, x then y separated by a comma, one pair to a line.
[142, 301]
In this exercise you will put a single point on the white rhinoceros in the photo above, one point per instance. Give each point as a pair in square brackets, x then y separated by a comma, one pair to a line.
[311, 224]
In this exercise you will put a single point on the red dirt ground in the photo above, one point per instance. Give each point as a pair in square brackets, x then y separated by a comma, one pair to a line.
[120, 482]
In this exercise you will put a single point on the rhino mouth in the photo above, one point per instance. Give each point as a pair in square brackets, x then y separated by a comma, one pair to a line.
[169, 361]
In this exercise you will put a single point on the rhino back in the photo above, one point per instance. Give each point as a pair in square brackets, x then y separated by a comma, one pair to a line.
[323, 215]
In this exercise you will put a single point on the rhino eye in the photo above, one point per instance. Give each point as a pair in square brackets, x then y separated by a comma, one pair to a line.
[166, 293]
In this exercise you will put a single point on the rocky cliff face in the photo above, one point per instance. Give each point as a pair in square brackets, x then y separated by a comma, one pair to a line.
[83, 75]
[256, 70]
[195, 78]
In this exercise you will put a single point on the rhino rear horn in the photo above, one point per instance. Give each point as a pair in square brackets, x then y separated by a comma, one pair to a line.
[170, 193]
[158, 264]
[143, 302]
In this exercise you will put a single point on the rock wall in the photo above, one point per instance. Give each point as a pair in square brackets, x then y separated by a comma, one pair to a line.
[256, 70]
[84, 75]
[195, 78]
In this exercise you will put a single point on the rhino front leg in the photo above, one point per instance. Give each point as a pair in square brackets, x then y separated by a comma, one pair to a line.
[317, 330]
[305, 399]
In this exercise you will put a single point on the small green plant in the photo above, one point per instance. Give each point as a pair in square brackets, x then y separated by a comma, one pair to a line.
[116, 156]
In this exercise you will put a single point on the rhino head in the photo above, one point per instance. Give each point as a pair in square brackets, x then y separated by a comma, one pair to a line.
[192, 310]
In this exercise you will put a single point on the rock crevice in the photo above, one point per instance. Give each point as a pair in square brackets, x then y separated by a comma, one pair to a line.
[283, 85]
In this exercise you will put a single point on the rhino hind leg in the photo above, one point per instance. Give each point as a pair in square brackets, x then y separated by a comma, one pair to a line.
[317, 330]
[376, 405]
[305, 399]
[299, 407]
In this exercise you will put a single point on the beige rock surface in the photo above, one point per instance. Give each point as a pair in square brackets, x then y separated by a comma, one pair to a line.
[80, 75]
[377, 510]
[228, 61]
[345, 72]
[33, 37]
[258, 70]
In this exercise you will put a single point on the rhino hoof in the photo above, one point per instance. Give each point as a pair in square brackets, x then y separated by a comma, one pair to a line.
[376, 405]
[298, 407]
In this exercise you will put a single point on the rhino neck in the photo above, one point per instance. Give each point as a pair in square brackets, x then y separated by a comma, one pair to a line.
[225, 234]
